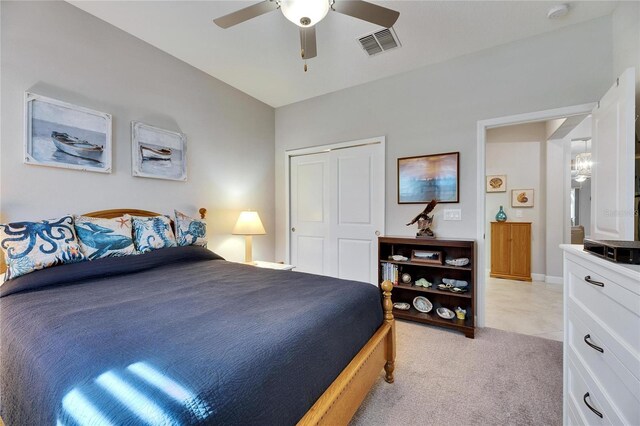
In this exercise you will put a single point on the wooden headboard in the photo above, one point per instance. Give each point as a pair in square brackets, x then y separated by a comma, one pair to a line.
[109, 214]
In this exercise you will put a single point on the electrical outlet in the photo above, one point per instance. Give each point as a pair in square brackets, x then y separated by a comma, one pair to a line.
[452, 214]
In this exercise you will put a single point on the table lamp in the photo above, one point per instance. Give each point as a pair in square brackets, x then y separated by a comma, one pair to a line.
[248, 224]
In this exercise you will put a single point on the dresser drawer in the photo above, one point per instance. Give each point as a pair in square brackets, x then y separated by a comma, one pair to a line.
[611, 304]
[614, 379]
[591, 405]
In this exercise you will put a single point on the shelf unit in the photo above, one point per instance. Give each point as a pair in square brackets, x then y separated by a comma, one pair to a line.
[403, 292]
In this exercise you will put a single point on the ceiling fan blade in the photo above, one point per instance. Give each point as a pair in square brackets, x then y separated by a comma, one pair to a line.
[245, 14]
[308, 42]
[367, 12]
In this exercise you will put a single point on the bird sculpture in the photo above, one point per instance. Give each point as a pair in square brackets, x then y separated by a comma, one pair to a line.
[425, 221]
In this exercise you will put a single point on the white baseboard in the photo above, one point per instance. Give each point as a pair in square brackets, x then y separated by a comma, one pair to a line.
[538, 277]
[554, 280]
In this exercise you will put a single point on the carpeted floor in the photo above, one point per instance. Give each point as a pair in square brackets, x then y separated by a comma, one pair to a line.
[443, 378]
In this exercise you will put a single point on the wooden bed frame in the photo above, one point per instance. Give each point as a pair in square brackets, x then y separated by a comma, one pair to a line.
[338, 404]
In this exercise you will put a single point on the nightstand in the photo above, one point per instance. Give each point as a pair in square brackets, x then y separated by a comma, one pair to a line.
[272, 265]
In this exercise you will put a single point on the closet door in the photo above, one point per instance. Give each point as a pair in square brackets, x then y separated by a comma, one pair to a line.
[357, 212]
[309, 210]
[337, 210]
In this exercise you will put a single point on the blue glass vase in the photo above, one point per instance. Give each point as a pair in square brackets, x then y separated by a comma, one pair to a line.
[501, 216]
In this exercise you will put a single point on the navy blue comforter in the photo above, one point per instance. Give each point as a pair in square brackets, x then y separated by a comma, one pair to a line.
[175, 336]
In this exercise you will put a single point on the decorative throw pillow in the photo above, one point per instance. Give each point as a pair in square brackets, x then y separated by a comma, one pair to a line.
[29, 246]
[151, 233]
[104, 237]
[190, 231]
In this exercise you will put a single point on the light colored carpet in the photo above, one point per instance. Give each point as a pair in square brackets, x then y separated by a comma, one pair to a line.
[441, 377]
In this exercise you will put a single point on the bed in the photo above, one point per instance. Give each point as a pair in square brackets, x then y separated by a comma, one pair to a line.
[181, 336]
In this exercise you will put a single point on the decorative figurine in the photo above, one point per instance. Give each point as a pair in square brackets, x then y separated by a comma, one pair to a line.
[461, 313]
[406, 278]
[425, 221]
[423, 283]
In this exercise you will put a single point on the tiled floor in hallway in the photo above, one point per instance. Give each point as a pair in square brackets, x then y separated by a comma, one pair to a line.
[522, 307]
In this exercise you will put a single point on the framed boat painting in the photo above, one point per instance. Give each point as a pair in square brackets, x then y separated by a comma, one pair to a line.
[60, 134]
[429, 177]
[158, 153]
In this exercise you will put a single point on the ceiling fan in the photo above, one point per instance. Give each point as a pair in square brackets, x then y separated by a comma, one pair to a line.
[307, 13]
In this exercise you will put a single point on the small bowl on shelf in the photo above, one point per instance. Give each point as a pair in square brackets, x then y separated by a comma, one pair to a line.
[461, 261]
[422, 304]
[402, 306]
[445, 313]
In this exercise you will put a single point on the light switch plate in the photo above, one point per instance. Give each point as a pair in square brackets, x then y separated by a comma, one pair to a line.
[452, 214]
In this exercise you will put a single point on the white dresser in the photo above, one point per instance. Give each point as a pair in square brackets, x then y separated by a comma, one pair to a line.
[601, 340]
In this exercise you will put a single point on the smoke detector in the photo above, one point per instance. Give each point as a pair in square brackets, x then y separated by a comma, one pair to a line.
[558, 11]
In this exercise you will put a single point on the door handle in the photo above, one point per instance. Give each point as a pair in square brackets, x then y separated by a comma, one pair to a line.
[596, 347]
[584, 398]
[293, 229]
[593, 282]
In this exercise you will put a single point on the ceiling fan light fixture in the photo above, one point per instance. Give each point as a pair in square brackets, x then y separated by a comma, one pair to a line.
[304, 13]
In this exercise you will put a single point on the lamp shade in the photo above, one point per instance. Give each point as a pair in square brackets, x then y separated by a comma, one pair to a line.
[249, 223]
[304, 13]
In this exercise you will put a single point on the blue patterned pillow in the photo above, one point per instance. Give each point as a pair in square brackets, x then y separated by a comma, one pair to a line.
[189, 231]
[29, 246]
[100, 237]
[152, 233]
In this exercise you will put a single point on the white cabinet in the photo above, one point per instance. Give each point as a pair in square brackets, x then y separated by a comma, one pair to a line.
[601, 340]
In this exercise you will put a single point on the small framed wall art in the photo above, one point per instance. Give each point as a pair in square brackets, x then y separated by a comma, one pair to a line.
[429, 177]
[496, 183]
[60, 134]
[522, 198]
[158, 153]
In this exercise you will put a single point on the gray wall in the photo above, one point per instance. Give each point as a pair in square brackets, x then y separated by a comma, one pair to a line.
[436, 109]
[57, 50]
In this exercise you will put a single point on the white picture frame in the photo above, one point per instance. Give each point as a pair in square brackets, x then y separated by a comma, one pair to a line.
[521, 198]
[496, 183]
[158, 153]
[64, 135]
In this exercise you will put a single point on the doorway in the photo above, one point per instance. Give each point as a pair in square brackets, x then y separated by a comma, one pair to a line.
[335, 208]
[483, 218]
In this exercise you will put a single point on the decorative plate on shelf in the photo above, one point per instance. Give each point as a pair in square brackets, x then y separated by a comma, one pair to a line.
[461, 261]
[422, 304]
[399, 258]
[455, 283]
[401, 306]
[445, 313]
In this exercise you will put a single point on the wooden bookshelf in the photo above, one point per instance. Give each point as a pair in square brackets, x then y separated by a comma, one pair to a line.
[406, 292]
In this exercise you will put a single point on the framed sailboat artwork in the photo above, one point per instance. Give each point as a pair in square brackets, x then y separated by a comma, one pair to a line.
[60, 134]
[158, 153]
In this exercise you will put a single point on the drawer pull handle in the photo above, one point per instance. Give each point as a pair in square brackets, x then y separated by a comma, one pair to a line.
[590, 281]
[584, 398]
[596, 347]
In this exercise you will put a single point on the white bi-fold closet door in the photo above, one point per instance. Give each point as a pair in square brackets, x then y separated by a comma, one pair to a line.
[336, 209]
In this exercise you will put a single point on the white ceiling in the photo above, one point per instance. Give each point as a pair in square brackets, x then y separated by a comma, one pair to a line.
[261, 57]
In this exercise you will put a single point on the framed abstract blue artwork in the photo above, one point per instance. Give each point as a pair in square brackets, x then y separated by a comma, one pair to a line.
[429, 177]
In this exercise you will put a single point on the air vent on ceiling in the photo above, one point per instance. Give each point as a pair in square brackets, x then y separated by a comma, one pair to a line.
[380, 41]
